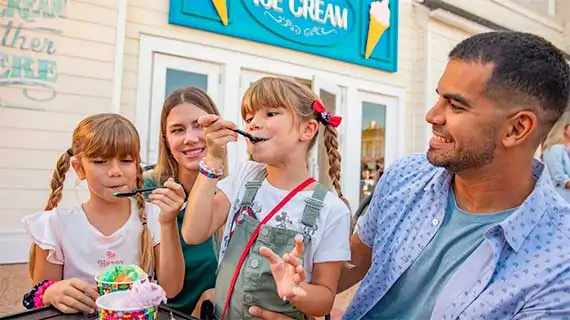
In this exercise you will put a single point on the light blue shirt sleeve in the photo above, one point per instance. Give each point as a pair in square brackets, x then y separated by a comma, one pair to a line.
[367, 225]
[551, 303]
[554, 159]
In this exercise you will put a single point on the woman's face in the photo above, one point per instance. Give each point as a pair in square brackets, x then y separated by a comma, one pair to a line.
[185, 137]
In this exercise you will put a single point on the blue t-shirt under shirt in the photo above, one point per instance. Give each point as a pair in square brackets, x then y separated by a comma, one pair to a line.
[414, 294]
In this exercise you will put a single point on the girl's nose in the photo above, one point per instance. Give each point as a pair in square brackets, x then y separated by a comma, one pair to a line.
[115, 169]
[255, 123]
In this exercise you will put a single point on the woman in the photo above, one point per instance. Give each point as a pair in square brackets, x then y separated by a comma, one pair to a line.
[181, 147]
[555, 155]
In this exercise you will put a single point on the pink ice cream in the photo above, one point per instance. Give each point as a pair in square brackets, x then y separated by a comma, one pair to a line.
[144, 294]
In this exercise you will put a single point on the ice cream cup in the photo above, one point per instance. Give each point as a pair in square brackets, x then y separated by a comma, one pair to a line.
[106, 287]
[108, 308]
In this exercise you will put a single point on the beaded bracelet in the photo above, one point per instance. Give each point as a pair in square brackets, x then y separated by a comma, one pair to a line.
[35, 297]
[213, 173]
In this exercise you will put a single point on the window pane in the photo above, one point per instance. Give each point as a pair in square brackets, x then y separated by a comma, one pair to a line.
[176, 79]
[538, 6]
[372, 146]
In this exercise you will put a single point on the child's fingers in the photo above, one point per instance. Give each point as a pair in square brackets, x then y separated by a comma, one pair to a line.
[271, 256]
[207, 120]
[300, 272]
[175, 187]
[162, 198]
[220, 134]
[299, 247]
[292, 260]
[168, 196]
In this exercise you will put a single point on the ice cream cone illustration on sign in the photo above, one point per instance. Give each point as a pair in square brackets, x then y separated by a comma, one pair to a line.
[222, 9]
[379, 22]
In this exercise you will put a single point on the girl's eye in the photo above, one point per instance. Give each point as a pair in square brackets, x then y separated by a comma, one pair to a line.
[98, 161]
[198, 126]
[127, 160]
[177, 130]
[272, 114]
[248, 120]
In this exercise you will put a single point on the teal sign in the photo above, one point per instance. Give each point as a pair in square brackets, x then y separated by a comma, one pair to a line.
[363, 32]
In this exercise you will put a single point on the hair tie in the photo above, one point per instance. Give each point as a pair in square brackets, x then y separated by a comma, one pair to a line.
[324, 116]
[69, 152]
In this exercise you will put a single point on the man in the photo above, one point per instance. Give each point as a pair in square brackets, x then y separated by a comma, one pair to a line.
[473, 230]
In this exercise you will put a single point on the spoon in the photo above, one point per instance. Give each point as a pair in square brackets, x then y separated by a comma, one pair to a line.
[253, 139]
[134, 192]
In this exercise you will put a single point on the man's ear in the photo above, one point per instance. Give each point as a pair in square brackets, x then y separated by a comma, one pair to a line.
[519, 128]
[78, 168]
[309, 130]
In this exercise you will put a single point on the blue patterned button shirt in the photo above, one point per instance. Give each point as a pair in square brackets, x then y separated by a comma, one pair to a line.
[520, 271]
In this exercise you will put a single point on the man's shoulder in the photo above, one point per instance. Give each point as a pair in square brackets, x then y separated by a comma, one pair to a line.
[412, 163]
[410, 169]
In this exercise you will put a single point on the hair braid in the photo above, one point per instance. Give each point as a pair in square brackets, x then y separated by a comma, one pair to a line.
[331, 145]
[146, 252]
[56, 186]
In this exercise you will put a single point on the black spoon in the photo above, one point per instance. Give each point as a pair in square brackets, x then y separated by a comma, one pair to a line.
[249, 136]
[132, 193]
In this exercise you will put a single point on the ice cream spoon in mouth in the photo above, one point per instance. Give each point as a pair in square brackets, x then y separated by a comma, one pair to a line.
[149, 189]
[134, 192]
[253, 139]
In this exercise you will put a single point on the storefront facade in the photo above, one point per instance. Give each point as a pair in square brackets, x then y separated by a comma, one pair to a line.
[67, 59]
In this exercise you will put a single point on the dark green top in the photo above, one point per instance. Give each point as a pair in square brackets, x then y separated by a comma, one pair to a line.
[200, 274]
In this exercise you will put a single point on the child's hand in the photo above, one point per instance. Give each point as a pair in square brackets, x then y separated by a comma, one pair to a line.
[72, 296]
[218, 132]
[287, 272]
[170, 199]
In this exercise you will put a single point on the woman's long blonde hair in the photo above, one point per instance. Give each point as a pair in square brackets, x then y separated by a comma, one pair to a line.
[105, 135]
[275, 92]
[166, 165]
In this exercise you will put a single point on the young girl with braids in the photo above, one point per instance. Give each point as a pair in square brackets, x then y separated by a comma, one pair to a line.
[271, 207]
[72, 245]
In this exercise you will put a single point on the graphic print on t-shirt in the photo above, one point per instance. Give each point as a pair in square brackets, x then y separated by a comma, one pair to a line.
[109, 259]
[283, 221]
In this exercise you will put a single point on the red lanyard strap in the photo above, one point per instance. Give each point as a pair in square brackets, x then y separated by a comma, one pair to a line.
[253, 237]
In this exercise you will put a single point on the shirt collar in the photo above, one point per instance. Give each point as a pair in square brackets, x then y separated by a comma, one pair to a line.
[518, 226]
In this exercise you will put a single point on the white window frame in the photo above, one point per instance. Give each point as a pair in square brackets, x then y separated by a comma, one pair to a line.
[546, 20]
[162, 62]
[234, 64]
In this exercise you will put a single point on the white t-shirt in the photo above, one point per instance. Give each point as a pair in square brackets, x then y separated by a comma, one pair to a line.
[331, 241]
[83, 250]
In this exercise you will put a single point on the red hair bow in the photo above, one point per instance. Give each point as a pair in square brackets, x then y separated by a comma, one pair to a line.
[324, 116]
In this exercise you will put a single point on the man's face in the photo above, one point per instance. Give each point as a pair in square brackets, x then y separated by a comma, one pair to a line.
[465, 133]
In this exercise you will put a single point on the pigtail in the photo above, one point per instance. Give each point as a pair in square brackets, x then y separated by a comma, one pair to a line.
[331, 145]
[56, 185]
[146, 252]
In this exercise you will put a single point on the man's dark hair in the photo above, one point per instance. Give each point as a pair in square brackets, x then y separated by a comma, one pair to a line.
[527, 70]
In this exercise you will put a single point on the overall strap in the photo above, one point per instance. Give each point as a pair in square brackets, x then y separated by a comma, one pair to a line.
[251, 188]
[313, 206]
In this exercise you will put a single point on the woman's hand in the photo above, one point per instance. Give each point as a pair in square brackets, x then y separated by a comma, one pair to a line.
[170, 199]
[218, 132]
[287, 272]
[72, 296]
